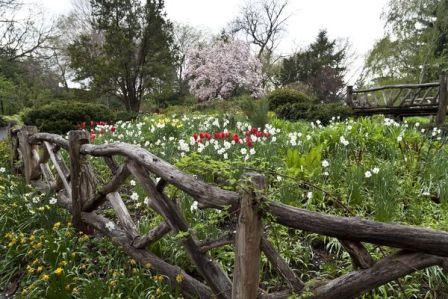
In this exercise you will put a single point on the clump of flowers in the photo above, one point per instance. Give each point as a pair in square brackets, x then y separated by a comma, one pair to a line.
[219, 69]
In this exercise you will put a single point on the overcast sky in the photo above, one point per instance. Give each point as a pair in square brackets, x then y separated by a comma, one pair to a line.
[356, 20]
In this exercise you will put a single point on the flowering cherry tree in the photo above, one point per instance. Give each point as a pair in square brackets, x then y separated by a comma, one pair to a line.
[220, 69]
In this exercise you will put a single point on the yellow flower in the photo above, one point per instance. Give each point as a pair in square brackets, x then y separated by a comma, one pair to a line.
[73, 254]
[30, 269]
[68, 234]
[36, 261]
[179, 278]
[148, 265]
[32, 237]
[39, 269]
[56, 225]
[113, 283]
[37, 246]
[132, 262]
[58, 271]
[45, 277]
[63, 263]
[159, 291]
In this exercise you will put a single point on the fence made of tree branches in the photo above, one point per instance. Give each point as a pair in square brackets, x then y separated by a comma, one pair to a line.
[78, 192]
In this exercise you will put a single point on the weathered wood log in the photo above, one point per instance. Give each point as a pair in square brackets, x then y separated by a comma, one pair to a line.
[246, 274]
[443, 100]
[349, 97]
[50, 138]
[60, 167]
[152, 236]
[398, 86]
[385, 270]
[212, 273]
[189, 286]
[361, 258]
[100, 197]
[285, 294]
[207, 194]
[14, 148]
[123, 214]
[113, 166]
[48, 175]
[281, 266]
[356, 229]
[224, 240]
[28, 150]
[79, 178]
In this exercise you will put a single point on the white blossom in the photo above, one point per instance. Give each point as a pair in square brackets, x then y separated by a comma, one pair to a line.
[110, 225]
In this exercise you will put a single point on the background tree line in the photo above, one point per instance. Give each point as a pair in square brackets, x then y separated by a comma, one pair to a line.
[127, 53]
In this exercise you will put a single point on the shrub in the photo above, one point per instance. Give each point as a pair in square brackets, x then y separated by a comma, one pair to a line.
[60, 116]
[313, 111]
[325, 112]
[256, 111]
[3, 122]
[125, 115]
[282, 96]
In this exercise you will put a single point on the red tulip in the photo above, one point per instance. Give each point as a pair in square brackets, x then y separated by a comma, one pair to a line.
[112, 129]
[236, 137]
[195, 136]
[202, 135]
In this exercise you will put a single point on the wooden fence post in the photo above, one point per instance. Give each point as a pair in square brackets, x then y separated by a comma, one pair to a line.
[28, 151]
[443, 99]
[349, 99]
[79, 189]
[248, 241]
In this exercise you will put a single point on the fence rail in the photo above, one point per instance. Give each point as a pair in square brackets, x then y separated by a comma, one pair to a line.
[402, 99]
[78, 191]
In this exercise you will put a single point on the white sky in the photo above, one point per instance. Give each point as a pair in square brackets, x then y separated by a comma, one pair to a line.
[356, 20]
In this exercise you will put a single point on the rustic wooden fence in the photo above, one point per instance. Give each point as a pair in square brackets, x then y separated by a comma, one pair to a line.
[402, 100]
[77, 191]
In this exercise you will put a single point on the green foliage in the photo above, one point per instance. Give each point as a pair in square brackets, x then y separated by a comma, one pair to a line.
[61, 117]
[283, 96]
[306, 165]
[414, 46]
[313, 111]
[370, 168]
[134, 59]
[320, 67]
[3, 122]
[256, 111]
[125, 116]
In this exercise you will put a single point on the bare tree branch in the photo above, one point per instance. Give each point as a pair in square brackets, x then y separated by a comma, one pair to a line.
[262, 22]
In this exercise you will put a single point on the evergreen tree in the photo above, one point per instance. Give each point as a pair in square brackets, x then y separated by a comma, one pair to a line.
[129, 52]
[320, 67]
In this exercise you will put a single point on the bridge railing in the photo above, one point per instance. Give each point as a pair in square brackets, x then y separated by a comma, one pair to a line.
[402, 99]
[77, 190]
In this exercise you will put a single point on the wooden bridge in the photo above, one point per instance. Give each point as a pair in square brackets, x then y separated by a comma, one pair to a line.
[402, 100]
[74, 182]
